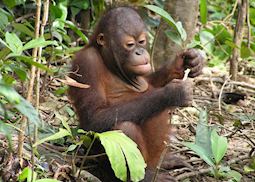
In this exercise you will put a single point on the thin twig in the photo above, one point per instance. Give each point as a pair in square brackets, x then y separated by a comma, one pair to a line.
[221, 91]
[85, 157]
[232, 12]
[162, 156]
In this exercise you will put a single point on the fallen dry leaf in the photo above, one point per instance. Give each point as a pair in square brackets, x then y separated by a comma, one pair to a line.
[71, 82]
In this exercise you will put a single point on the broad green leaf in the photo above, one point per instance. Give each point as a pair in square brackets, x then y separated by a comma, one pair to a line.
[203, 11]
[9, 93]
[174, 37]
[165, 15]
[4, 20]
[21, 104]
[201, 152]
[222, 34]
[252, 14]
[26, 108]
[6, 129]
[115, 155]
[8, 79]
[61, 15]
[23, 28]
[30, 61]
[207, 40]
[86, 140]
[77, 31]
[4, 51]
[47, 180]
[60, 134]
[246, 52]
[203, 133]
[14, 43]
[219, 146]
[65, 124]
[119, 149]
[21, 73]
[71, 148]
[234, 174]
[12, 3]
[182, 30]
[26, 175]
[39, 42]
[80, 4]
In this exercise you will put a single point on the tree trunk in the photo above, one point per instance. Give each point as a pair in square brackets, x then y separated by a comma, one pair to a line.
[238, 37]
[185, 11]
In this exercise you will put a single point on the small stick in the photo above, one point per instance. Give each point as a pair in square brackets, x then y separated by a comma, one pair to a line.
[186, 73]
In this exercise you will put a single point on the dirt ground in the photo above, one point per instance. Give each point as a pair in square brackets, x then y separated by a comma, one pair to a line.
[235, 121]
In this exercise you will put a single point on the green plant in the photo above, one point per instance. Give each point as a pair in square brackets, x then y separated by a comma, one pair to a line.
[121, 150]
[212, 148]
[178, 33]
[26, 175]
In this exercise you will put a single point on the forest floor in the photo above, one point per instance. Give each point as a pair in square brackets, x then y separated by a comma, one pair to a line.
[235, 121]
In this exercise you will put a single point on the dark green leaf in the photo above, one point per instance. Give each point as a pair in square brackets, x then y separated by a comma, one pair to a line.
[60, 91]
[165, 15]
[5, 129]
[8, 79]
[245, 52]
[207, 40]
[12, 3]
[221, 33]
[23, 28]
[26, 108]
[60, 134]
[77, 31]
[84, 4]
[4, 20]
[9, 93]
[118, 147]
[22, 74]
[30, 61]
[4, 43]
[21, 104]
[252, 15]
[174, 37]
[39, 42]
[14, 43]
[203, 11]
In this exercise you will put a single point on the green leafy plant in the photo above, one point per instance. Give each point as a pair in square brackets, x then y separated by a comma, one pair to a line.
[211, 147]
[178, 34]
[122, 152]
[26, 175]
[18, 102]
